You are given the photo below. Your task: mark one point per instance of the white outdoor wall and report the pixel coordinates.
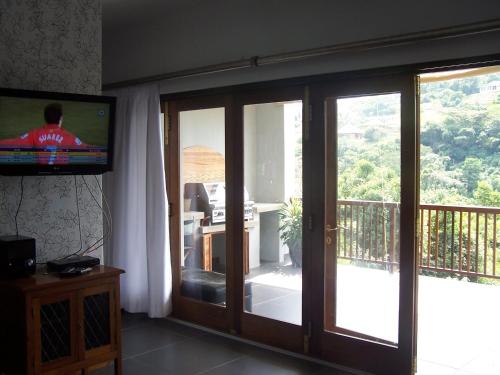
(204, 127)
(265, 152)
(270, 144)
(156, 37)
(250, 154)
(51, 45)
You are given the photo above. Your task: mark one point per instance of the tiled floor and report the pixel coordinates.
(163, 347)
(457, 329)
(277, 291)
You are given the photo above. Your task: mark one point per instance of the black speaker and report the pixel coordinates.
(17, 256)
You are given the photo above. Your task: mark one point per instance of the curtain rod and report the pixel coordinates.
(368, 44)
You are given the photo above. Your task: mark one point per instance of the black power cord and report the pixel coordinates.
(19, 205)
(79, 224)
(78, 213)
(107, 215)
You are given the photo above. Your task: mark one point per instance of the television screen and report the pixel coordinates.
(55, 133)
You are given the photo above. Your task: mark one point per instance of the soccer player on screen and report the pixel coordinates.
(49, 138)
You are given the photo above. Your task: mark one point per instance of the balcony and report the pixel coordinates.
(458, 241)
(458, 331)
(457, 308)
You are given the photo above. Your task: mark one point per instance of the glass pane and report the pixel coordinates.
(369, 188)
(273, 210)
(97, 324)
(203, 201)
(55, 330)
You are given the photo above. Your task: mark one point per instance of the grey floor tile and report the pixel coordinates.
(132, 320)
(331, 371)
(290, 363)
(147, 337)
(258, 366)
(178, 328)
(225, 342)
(131, 367)
(165, 347)
(243, 348)
(266, 360)
(191, 356)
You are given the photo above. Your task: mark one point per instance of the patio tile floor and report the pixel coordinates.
(458, 321)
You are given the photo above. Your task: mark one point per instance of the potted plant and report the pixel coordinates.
(291, 229)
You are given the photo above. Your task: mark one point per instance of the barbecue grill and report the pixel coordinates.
(210, 198)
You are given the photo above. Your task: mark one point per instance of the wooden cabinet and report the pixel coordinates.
(53, 325)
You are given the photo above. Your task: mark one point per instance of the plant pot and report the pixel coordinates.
(295, 249)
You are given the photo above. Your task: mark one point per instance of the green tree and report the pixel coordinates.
(471, 172)
(450, 98)
(485, 195)
(373, 134)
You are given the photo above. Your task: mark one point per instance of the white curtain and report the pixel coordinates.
(136, 193)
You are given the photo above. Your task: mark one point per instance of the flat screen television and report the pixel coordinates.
(43, 133)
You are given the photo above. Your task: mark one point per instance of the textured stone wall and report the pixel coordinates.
(52, 45)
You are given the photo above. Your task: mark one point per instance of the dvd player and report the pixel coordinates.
(59, 265)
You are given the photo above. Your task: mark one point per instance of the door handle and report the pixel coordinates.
(329, 228)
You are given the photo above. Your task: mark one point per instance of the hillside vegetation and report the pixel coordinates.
(459, 151)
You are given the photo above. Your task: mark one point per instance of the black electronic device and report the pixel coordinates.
(17, 256)
(60, 265)
(45, 133)
(74, 271)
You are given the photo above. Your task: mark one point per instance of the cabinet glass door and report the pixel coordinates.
(56, 338)
(98, 313)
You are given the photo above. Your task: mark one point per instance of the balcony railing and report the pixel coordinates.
(458, 240)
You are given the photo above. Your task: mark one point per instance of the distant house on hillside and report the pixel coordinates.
(351, 131)
(490, 87)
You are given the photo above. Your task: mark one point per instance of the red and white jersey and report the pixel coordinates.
(49, 135)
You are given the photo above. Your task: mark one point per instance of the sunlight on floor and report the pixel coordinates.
(280, 280)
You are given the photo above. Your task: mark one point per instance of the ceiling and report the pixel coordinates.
(120, 12)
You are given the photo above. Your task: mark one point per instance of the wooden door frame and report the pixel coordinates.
(251, 326)
(206, 314)
(313, 173)
(340, 348)
(232, 319)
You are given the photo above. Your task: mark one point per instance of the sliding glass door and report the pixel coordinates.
(294, 215)
(200, 220)
(368, 257)
(272, 206)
